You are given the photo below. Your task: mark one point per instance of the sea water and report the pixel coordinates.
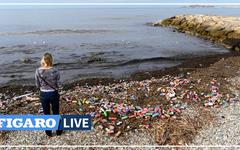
(96, 41)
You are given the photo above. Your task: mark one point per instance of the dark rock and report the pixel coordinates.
(26, 60)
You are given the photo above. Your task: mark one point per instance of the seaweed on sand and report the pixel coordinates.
(183, 130)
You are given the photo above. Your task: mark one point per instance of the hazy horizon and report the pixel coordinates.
(119, 1)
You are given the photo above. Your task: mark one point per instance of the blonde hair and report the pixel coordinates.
(47, 60)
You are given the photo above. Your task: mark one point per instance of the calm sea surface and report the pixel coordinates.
(90, 42)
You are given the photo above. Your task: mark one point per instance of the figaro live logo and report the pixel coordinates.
(45, 122)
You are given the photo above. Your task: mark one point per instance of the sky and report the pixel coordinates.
(120, 1)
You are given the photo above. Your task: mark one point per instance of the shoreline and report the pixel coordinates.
(188, 65)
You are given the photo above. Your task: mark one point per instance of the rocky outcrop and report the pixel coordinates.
(223, 30)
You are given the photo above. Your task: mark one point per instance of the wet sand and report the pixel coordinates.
(187, 66)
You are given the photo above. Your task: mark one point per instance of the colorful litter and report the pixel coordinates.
(125, 106)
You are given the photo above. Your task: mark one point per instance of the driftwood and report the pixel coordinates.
(22, 96)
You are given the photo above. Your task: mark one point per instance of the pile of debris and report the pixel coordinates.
(23, 104)
(124, 106)
(4, 101)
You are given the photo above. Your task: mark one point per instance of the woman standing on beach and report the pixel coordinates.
(48, 82)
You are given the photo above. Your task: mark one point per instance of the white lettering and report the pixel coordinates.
(50, 123)
(85, 123)
(40, 123)
(28, 124)
(72, 125)
(9, 123)
(78, 123)
(19, 124)
(1, 122)
(65, 123)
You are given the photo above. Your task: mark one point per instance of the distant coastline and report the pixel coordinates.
(199, 6)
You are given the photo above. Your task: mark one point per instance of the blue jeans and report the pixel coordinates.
(48, 98)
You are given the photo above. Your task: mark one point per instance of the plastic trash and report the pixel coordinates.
(124, 117)
(143, 101)
(119, 123)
